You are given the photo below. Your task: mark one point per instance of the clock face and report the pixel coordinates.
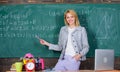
(30, 65)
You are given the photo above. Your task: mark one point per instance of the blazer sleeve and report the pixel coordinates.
(57, 47)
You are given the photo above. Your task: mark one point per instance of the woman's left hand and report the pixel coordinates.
(77, 57)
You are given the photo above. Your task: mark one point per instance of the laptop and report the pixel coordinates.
(104, 59)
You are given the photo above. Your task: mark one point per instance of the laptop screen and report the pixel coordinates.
(104, 59)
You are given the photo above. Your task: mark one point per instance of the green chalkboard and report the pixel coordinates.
(19, 24)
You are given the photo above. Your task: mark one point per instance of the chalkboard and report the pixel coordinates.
(19, 24)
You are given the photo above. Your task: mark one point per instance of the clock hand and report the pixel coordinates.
(30, 65)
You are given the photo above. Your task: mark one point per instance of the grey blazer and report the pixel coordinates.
(79, 41)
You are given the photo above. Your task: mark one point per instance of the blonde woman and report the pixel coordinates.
(72, 43)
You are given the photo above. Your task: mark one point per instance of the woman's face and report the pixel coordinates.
(70, 19)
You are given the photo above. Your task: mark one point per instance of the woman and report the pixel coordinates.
(72, 43)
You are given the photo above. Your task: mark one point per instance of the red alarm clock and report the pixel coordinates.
(30, 65)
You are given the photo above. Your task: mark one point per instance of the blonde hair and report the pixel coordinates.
(77, 23)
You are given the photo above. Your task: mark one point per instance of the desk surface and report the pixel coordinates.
(78, 71)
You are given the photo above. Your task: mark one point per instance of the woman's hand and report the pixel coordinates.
(77, 57)
(43, 42)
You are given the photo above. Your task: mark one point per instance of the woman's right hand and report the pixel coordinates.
(43, 42)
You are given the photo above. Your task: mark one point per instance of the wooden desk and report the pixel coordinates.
(78, 71)
(108, 71)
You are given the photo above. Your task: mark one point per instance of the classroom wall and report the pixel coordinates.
(20, 23)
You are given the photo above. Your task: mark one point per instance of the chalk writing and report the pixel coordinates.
(19, 24)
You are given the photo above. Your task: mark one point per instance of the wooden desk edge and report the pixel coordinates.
(78, 71)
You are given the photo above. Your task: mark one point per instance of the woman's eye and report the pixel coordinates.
(67, 17)
(72, 16)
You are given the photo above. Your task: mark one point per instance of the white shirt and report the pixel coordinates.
(69, 48)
